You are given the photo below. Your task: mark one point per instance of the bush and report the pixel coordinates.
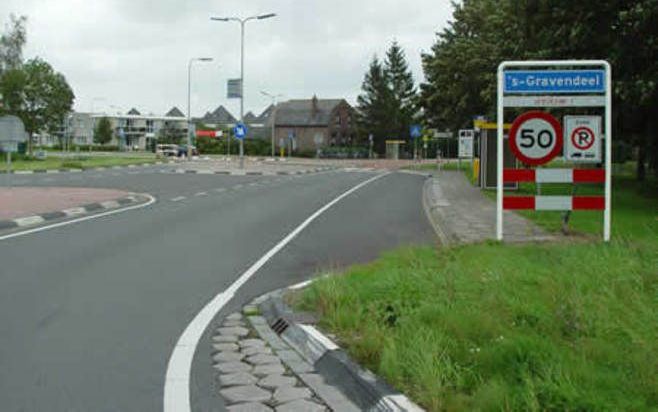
(256, 147)
(70, 164)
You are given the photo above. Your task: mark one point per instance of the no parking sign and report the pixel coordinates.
(582, 136)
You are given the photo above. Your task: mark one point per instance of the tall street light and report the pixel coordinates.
(189, 103)
(274, 98)
(242, 22)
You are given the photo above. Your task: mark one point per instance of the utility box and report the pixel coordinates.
(488, 175)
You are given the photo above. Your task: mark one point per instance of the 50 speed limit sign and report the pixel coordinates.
(536, 138)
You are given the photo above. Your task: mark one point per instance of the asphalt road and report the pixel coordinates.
(89, 313)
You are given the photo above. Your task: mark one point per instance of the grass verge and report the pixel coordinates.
(79, 162)
(561, 326)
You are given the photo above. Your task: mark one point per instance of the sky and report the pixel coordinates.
(119, 54)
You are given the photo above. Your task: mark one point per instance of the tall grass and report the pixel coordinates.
(562, 326)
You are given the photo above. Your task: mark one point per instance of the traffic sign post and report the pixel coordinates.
(537, 137)
(415, 131)
(12, 132)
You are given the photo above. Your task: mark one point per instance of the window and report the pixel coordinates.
(150, 128)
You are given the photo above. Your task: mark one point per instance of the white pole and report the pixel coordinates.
(608, 153)
(499, 156)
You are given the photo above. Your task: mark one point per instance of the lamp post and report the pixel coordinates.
(189, 103)
(242, 22)
(274, 98)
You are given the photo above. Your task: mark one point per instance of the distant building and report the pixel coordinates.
(135, 131)
(314, 124)
(219, 118)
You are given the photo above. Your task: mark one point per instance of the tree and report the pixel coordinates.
(12, 42)
(401, 83)
(375, 105)
(38, 95)
(460, 69)
(103, 131)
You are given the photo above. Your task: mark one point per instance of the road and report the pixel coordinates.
(90, 312)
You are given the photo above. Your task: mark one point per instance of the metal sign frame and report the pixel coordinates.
(553, 101)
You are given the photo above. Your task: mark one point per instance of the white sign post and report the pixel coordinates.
(466, 144)
(537, 137)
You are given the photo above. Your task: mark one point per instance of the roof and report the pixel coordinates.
(265, 115)
(175, 112)
(302, 113)
(134, 112)
(250, 118)
(219, 116)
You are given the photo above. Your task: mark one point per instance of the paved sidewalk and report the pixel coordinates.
(461, 213)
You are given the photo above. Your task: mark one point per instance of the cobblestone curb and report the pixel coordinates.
(87, 209)
(271, 348)
(254, 370)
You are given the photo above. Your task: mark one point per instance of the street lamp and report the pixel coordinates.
(189, 94)
(242, 22)
(274, 98)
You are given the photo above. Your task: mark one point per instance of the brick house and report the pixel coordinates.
(314, 124)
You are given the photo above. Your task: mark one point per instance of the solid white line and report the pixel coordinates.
(178, 199)
(177, 379)
(78, 220)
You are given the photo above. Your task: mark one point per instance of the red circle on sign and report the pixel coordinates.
(587, 130)
(557, 130)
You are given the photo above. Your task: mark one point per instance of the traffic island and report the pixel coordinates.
(28, 207)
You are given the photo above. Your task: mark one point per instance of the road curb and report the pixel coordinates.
(248, 173)
(429, 206)
(83, 210)
(363, 389)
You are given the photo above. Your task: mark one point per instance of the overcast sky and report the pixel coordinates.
(118, 54)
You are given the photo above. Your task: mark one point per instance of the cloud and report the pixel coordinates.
(129, 53)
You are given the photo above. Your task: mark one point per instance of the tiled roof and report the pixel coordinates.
(219, 116)
(302, 112)
(175, 112)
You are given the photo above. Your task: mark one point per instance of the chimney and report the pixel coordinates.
(314, 105)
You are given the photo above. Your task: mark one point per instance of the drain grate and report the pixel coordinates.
(279, 326)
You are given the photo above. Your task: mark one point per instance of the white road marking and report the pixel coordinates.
(178, 199)
(253, 184)
(177, 378)
(78, 220)
(74, 211)
(238, 186)
(220, 190)
(29, 220)
(201, 194)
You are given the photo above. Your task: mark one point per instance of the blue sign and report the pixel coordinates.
(415, 131)
(240, 131)
(554, 81)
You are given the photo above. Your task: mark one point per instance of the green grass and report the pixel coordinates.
(79, 162)
(556, 326)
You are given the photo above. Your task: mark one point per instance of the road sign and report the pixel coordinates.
(234, 88)
(465, 150)
(12, 129)
(554, 81)
(9, 146)
(582, 138)
(240, 131)
(535, 138)
(415, 131)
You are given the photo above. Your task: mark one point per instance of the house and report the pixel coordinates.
(135, 131)
(219, 118)
(312, 124)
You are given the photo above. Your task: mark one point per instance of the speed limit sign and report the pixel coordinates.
(536, 138)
